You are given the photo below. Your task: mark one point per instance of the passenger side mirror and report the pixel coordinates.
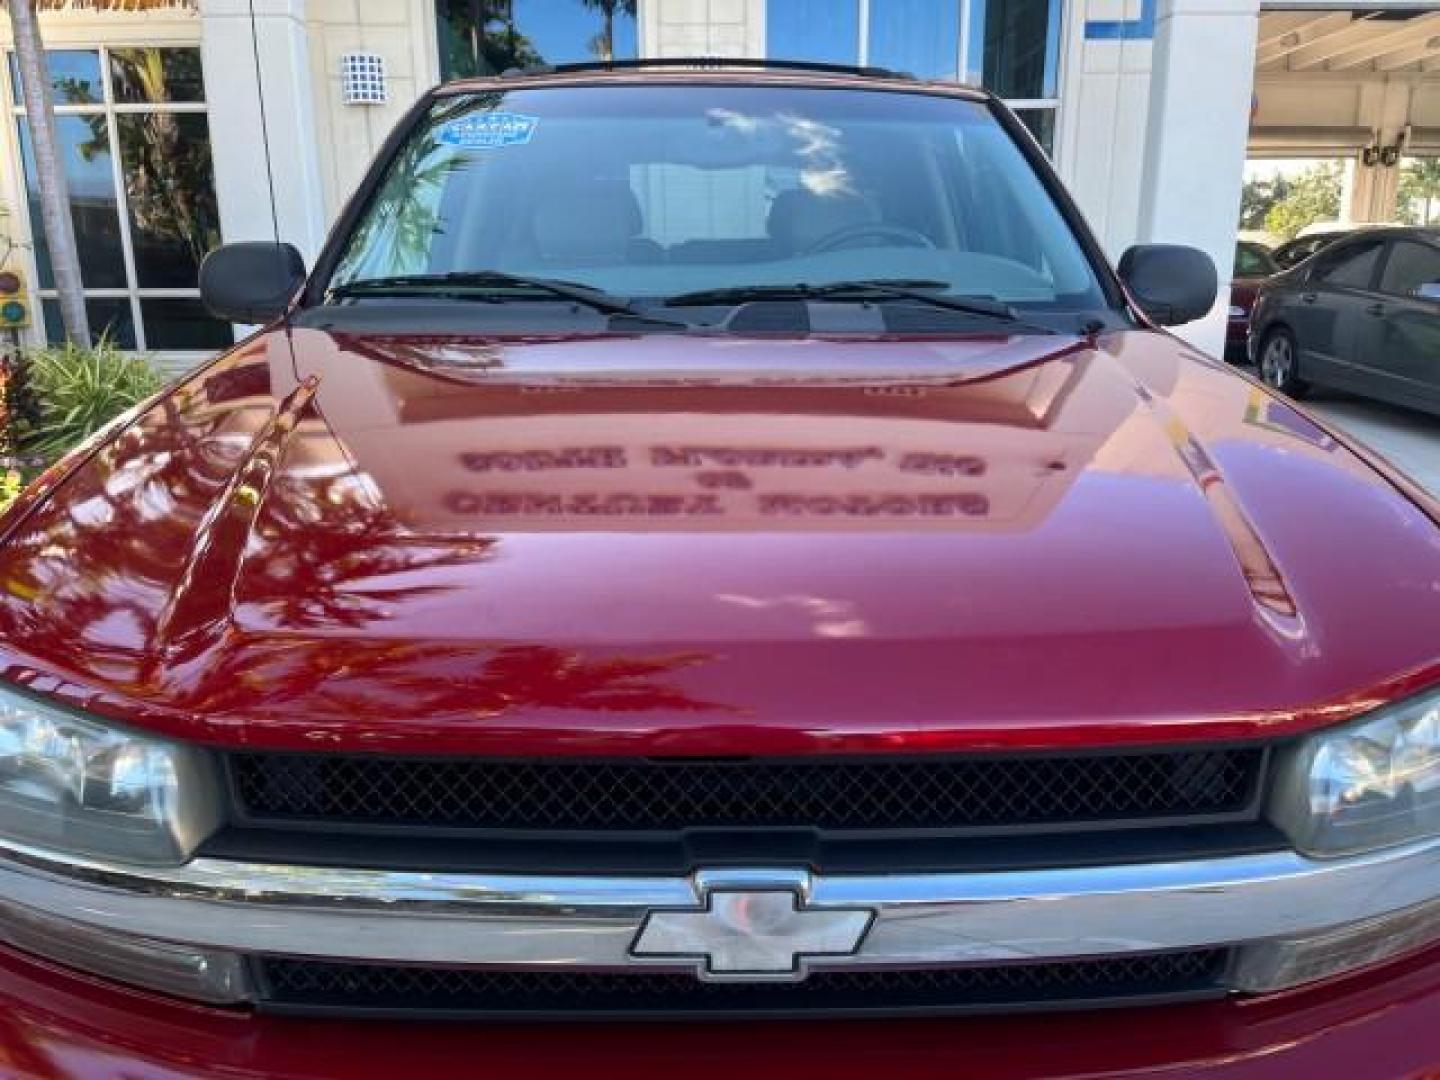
(251, 282)
(1170, 283)
(1428, 291)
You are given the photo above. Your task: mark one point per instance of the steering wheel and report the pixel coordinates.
(847, 236)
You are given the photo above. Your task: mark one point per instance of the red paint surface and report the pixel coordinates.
(763, 546)
(1384, 1025)
(721, 546)
(1243, 292)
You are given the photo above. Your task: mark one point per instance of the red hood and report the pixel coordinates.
(710, 545)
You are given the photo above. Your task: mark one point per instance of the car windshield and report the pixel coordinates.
(1253, 261)
(649, 194)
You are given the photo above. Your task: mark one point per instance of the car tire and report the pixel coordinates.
(1278, 360)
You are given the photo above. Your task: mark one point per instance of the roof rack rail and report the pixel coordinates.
(704, 62)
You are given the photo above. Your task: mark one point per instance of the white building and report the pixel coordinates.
(1148, 107)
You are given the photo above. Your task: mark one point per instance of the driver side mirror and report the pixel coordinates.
(251, 282)
(1171, 284)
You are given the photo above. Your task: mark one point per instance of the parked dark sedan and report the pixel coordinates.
(1362, 316)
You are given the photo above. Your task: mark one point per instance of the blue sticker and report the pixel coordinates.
(485, 131)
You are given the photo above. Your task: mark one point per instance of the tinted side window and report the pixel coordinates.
(1409, 266)
(1352, 267)
(1294, 253)
(1297, 251)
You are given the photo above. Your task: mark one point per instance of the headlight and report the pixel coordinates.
(1238, 314)
(75, 785)
(1366, 785)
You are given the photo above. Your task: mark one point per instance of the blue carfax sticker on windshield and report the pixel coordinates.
(486, 131)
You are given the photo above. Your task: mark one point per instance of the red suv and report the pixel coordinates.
(718, 543)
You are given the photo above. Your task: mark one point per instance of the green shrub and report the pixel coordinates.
(12, 482)
(73, 391)
(12, 400)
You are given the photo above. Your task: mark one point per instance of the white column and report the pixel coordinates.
(234, 91)
(1394, 117)
(1386, 204)
(1354, 190)
(1201, 85)
(1373, 195)
(1384, 108)
(1104, 100)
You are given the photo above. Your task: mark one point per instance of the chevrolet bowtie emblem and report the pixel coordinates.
(744, 934)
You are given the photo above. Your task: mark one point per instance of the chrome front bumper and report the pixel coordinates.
(1263, 903)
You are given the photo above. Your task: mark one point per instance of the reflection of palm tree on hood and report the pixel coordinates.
(404, 679)
(108, 594)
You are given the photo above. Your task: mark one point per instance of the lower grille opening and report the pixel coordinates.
(308, 985)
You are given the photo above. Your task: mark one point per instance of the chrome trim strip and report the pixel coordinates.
(589, 922)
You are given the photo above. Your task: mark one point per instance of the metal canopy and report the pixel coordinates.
(1392, 40)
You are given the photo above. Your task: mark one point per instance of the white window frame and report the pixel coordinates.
(1055, 104)
(20, 225)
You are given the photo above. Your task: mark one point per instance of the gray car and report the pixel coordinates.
(1361, 315)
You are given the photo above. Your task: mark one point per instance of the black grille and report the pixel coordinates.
(836, 793)
(306, 984)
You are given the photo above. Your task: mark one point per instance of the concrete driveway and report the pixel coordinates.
(1411, 440)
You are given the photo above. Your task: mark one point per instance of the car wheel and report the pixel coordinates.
(1280, 363)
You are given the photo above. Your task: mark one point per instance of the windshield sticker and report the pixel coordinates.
(486, 131)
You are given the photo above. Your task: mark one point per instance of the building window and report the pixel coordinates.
(134, 141)
(1011, 47)
(485, 37)
(818, 31)
(1014, 45)
(918, 36)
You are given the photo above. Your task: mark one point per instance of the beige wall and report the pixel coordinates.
(1104, 111)
(348, 136)
(702, 28)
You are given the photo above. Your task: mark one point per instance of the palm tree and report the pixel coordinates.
(603, 43)
(49, 174)
(1419, 184)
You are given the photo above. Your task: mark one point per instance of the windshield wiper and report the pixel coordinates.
(489, 285)
(915, 289)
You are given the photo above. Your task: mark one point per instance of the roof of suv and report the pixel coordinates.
(1379, 232)
(707, 69)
